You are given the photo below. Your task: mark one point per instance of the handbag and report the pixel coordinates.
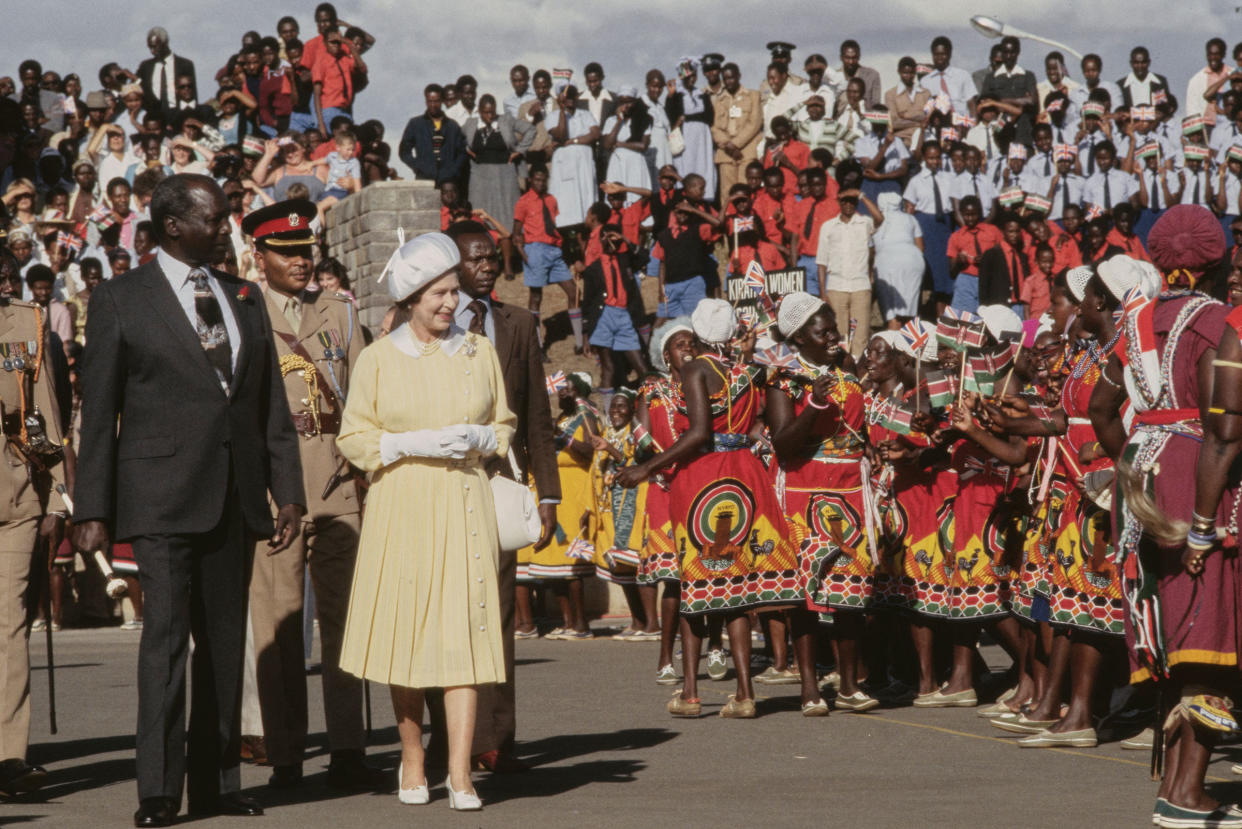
(517, 513)
(676, 142)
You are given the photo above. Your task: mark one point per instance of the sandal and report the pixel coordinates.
(526, 634)
(679, 706)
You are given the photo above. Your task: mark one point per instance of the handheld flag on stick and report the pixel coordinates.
(756, 279)
(556, 382)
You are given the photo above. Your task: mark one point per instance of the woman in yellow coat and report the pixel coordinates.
(424, 611)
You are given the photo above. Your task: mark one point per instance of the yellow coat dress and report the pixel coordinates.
(424, 610)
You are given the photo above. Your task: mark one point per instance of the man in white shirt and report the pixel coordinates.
(950, 80)
(973, 181)
(467, 94)
(843, 257)
(158, 74)
(784, 96)
(1142, 86)
(1056, 80)
(1210, 78)
(596, 98)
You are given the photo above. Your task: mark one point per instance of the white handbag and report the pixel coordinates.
(517, 513)
(676, 142)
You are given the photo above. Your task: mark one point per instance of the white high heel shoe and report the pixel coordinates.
(463, 801)
(417, 796)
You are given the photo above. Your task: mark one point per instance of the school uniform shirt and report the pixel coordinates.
(631, 218)
(1121, 186)
(766, 207)
(809, 216)
(1086, 156)
(1233, 188)
(799, 155)
(336, 74)
(1224, 137)
(974, 242)
(978, 184)
(1079, 96)
(954, 82)
(866, 148)
(538, 217)
(921, 191)
(769, 256)
(983, 137)
(1156, 199)
(1070, 185)
(1131, 245)
(1042, 164)
(1190, 193)
(843, 248)
(1028, 181)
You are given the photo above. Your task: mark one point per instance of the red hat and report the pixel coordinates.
(1186, 237)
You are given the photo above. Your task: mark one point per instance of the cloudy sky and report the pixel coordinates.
(435, 40)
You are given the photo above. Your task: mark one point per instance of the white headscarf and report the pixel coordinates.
(660, 338)
(889, 202)
(714, 321)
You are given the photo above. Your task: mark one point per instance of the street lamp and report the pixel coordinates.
(993, 28)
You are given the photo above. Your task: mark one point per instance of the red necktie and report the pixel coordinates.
(616, 288)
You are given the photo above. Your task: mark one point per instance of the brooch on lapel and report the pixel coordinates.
(243, 293)
(470, 348)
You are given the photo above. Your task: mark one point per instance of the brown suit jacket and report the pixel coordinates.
(521, 364)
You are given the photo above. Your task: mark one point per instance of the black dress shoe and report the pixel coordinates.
(227, 804)
(285, 777)
(155, 811)
(237, 804)
(349, 770)
(19, 777)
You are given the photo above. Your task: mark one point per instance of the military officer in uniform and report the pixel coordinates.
(317, 339)
(32, 482)
(782, 53)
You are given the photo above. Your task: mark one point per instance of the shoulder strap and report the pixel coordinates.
(297, 348)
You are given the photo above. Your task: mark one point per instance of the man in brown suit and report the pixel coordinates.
(736, 129)
(317, 342)
(26, 360)
(513, 332)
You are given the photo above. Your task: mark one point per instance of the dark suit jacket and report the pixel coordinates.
(418, 137)
(521, 365)
(160, 440)
(1159, 83)
(148, 77)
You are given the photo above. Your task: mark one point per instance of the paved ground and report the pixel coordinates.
(607, 755)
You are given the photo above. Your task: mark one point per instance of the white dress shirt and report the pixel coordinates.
(1121, 186)
(844, 250)
(978, 184)
(178, 275)
(959, 84)
(1074, 183)
(1079, 96)
(920, 193)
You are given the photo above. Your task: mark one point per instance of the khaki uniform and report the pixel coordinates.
(738, 120)
(22, 495)
(328, 542)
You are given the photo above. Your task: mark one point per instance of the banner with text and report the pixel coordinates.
(779, 283)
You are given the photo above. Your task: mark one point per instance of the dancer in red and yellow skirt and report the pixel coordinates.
(815, 414)
(979, 587)
(1086, 608)
(1180, 367)
(661, 415)
(728, 527)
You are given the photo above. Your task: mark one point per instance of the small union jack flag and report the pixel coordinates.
(915, 335)
(741, 224)
(556, 382)
(1133, 300)
(69, 241)
(756, 279)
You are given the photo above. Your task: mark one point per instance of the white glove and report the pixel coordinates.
(482, 439)
(424, 443)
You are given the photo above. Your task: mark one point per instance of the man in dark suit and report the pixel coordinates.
(181, 356)
(432, 144)
(158, 74)
(514, 333)
(1142, 87)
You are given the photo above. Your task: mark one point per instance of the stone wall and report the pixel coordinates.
(362, 235)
